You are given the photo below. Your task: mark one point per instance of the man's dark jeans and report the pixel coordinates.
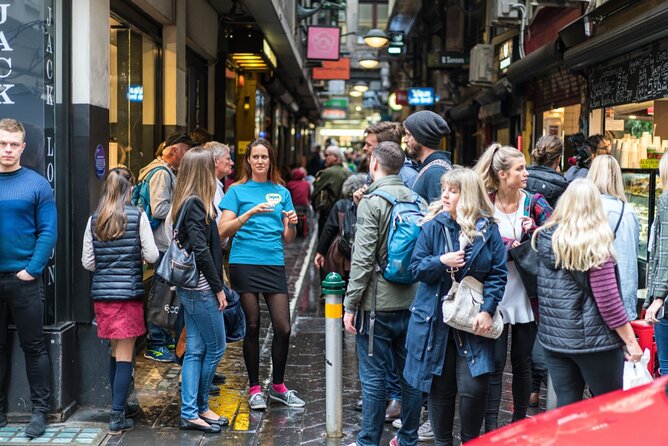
(389, 344)
(24, 300)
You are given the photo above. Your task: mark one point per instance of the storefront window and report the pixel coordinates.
(134, 91)
(562, 121)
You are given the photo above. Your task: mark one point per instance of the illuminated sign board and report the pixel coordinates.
(421, 96)
(135, 93)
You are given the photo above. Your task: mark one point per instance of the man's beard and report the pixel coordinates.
(413, 151)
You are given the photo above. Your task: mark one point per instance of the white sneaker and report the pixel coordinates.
(257, 402)
(425, 433)
(397, 423)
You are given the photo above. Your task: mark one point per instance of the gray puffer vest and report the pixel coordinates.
(570, 321)
(118, 271)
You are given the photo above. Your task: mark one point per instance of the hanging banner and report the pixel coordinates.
(333, 70)
(323, 42)
(27, 92)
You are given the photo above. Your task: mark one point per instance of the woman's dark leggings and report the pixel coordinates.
(602, 371)
(456, 377)
(279, 311)
(521, 345)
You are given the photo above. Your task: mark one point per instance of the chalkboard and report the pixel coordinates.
(638, 79)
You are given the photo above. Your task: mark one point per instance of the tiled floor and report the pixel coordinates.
(55, 434)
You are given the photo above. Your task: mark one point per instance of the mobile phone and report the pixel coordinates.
(660, 312)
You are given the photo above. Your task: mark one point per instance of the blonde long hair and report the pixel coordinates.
(474, 203)
(495, 159)
(583, 238)
(606, 175)
(197, 177)
(111, 218)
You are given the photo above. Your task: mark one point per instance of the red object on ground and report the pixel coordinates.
(645, 334)
(633, 417)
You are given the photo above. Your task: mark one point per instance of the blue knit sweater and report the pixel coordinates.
(27, 222)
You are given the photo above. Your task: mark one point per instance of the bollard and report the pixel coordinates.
(333, 288)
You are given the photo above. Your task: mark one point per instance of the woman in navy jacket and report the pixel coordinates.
(441, 360)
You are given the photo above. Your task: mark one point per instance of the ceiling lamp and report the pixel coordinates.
(250, 51)
(355, 93)
(361, 86)
(376, 38)
(369, 63)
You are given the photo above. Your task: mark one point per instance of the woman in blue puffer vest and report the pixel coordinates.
(441, 360)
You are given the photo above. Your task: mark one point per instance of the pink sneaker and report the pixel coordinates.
(394, 441)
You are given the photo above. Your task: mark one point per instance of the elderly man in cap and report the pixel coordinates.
(424, 131)
(328, 184)
(161, 177)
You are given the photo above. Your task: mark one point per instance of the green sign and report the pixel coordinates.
(336, 103)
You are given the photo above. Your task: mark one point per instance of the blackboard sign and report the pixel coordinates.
(638, 79)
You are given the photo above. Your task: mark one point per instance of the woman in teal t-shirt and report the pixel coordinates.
(259, 215)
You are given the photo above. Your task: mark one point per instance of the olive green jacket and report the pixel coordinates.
(373, 221)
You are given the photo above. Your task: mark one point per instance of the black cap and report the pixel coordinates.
(178, 137)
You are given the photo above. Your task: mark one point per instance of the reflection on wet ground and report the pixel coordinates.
(158, 387)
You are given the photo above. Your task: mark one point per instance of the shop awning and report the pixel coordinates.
(535, 64)
(467, 111)
(650, 26)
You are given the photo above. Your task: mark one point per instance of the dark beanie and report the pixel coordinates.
(427, 128)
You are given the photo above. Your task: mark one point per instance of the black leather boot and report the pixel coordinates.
(118, 423)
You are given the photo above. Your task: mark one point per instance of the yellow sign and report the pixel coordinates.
(649, 163)
(241, 148)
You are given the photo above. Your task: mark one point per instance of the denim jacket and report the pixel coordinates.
(428, 335)
(626, 248)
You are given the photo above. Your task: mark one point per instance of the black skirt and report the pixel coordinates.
(258, 278)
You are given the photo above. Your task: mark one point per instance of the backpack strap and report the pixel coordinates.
(436, 162)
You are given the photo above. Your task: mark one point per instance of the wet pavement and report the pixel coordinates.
(158, 386)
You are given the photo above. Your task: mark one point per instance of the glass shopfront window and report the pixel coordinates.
(134, 100)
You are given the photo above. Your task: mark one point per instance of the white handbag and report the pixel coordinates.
(462, 303)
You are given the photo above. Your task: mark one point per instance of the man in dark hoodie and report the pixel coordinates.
(424, 131)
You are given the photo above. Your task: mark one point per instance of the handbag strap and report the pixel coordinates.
(619, 222)
(181, 215)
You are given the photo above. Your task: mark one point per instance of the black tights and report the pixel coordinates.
(279, 311)
(521, 345)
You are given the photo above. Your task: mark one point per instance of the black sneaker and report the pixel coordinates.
(3, 420)
(214, 390)
(37, 425)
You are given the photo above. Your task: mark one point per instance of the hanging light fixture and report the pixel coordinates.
(361, 86)
(369, 62)
(355, 93)
(376, 38)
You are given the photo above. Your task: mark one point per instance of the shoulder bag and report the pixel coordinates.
(462, 303)
(178, 266)
(526, 261)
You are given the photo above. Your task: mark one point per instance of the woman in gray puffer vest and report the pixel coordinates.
(583, 324)
(117, 237)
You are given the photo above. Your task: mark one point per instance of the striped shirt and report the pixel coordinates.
(605, 289)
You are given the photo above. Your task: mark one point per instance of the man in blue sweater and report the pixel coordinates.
(424, 131)
(27, 237)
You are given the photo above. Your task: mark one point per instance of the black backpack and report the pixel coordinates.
(347, 221)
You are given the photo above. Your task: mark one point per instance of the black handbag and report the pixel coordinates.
(178, 267)
(526, 261)
(163, 305)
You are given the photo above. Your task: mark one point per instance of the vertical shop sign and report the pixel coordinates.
(27, 90)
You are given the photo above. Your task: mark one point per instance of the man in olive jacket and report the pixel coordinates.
(391, 304)
(328, 184)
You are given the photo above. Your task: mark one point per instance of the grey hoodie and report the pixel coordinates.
(161, 188)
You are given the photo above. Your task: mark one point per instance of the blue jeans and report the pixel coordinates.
(205, 345)
(389, 347)
(661, 338)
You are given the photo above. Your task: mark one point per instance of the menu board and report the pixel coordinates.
(640, 78)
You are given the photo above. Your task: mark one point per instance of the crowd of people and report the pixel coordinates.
(573, 323)
(475, 223)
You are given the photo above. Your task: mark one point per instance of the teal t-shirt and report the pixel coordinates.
(259, 241)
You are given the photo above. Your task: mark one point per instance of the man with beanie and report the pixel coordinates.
(424, 131)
